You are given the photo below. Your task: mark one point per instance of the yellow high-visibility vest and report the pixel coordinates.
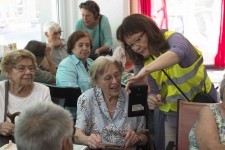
(190, 80)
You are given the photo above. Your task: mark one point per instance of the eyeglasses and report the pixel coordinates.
(109, 78)
(137, 41)
(23, 68)
(56, 33)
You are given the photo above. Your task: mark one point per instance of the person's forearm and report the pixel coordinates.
(103, 49)
(52, 68)
(81, 138)
(166, 60)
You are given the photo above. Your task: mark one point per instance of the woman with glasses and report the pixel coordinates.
(102, 111)
(98, 26)
(169, 51)
(19, 91)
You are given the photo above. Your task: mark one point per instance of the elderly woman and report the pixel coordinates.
(209, 130)
(72, 71)
(97, 25)
(19, 91)
(102, 111)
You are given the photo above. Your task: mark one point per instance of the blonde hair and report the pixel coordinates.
(100, 64)
(12, 58)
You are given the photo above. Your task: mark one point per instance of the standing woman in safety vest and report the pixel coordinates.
(171, 51)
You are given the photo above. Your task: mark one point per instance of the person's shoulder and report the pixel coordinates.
(104, 19)
(79, 24)
(205, 111)
(88, 95)
(89, 61)
(40, 86)
(79, 21)
(65, 61)
(174, 34)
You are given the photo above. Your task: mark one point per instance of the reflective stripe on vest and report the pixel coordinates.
(190, 80)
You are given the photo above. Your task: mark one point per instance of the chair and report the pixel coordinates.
(187, 114)
(64, 96)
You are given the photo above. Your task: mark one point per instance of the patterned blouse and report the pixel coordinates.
(93, 117)
(220, 121)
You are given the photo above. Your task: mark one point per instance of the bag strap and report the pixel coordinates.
(173, 82)
(6, 98)
(100, 20)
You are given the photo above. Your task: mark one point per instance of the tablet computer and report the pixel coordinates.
(137, 105)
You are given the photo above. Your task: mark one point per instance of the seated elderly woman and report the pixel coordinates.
(209, 130)
(72, 71)
(102, 111)
(20, 90)
(41, 51)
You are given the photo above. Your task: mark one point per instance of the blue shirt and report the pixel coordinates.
(105, 33)
(72, 73)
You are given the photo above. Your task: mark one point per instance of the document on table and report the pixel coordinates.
(79, 147)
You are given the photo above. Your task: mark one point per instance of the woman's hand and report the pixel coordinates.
(95, 141)
(131, 138)
(98, 52)
(136, 81)
(6, 128)
(154, 102)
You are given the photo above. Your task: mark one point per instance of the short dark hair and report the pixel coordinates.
(74, 37)
(92, 7)
(36, 47)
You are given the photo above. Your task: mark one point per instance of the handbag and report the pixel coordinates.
(200, 97)
(109, 52)
(6, 98)
(10, 116)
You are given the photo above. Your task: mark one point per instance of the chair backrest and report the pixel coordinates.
(65, 96)
(187, 114)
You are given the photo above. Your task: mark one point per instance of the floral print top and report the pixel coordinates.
(220, 121)
(93, 117)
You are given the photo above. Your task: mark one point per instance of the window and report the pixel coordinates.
(19, 22)
(199, 21)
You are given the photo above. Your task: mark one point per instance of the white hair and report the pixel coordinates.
(43, 126)
(49, 26)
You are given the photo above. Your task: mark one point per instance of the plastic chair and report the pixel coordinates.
(64, 96)
(187, 114)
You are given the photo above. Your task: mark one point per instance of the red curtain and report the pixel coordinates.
(220, 56)
(159, 13)
(156, 9)
(144, 7)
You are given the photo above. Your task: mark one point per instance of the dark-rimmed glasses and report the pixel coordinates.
(137, 41)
